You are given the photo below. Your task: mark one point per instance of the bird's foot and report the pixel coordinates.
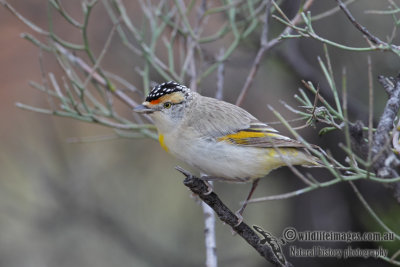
(239, 216)
(209, 188)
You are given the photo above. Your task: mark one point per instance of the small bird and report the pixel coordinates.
(220, 139)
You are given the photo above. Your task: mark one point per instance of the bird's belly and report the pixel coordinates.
(221, 159)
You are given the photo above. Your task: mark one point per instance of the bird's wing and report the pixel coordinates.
(259, 134)
(226, 122)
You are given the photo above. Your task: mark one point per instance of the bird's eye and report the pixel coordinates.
(167, 104)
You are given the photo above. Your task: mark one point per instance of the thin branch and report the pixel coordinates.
(330, 11)
(371, 107)
(57, 5)
(219, 94)
(209, 233)
(364, 30)
(395, 255)
(45, 81)
(267, 45)
(95, 76)
(102, 54)
(91, 139)
(371, 211)
(258, 58)
(283, 196)
(23, 19)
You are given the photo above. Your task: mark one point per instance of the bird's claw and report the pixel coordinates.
(209, 188)
(239, 216)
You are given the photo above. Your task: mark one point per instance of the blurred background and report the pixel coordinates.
(120, 202)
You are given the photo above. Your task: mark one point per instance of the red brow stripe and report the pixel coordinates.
(154, 102)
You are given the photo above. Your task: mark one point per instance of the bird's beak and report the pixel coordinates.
(143, 109)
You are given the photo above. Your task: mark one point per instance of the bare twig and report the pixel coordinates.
(330, 11)
(371, 107)
(395, 255)
(283, 196)
(23, 19)
(259, 56)
(219, 94)
(267, 45)
(209, 233)
(45, 81)
(102, 54)
(95, 76)
(364, 30)
(371, 211)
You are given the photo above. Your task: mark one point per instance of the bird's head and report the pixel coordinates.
(166, 104)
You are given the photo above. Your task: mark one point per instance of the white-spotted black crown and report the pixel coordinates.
(166, 88)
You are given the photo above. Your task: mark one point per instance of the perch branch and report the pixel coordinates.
(227, 216)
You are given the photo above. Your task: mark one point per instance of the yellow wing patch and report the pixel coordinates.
(259, 134)
(242, 137)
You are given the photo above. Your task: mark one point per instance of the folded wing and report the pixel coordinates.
(261, 135)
